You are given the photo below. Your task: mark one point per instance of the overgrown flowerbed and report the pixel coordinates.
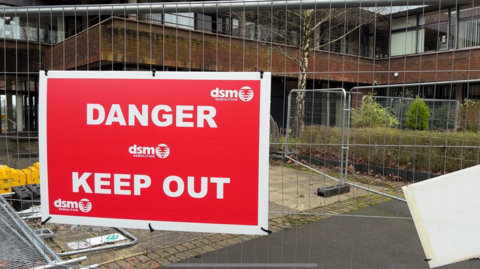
(429, 151)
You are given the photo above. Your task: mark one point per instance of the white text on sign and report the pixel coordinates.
(123, 185)
(160, 115)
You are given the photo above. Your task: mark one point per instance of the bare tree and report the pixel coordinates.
(297, 33)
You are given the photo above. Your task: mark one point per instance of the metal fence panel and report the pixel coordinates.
(323, 131)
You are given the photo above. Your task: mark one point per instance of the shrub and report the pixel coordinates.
(469, 116)
(372, 114)
(431, 151)
(442, 117)
(418, 115)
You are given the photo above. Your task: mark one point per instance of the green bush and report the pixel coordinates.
(372, 114)
(418, 115)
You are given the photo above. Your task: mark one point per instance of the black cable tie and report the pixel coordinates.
(265, 230)
(46, 72)
(153, 71)
(427, 260)
(261, 73)
(151, 229)
(45, 222)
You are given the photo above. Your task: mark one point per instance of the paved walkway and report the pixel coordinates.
(385, 239)
(208, 242)
(9, 147)
(293, 203)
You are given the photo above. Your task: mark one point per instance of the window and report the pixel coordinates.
(180, 20)
(378, 39)
(203, 23)
(404, 36)
(264, 32)
(219, 25)
(403, 23)
(10, 28)
(453, 29)
(403, 42)
(235, 27)
(249, 30)
(433, 31)
(154, 17)
(469, 26)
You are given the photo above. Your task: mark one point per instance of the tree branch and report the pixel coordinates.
(327, 18)
(335, 40)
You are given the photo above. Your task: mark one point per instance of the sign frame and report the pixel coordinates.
(263, 154)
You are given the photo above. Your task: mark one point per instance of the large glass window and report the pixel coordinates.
(469, 26)
(180, 20)
(404, 36)
(469, 33)
(203, 22)
(453, 29)
(433, 31)
(403, 42)
(235, 26)
(39, 29)
(378, 40)
(154, 17)
(433, 37)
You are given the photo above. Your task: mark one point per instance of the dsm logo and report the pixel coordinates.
(161, 151)
(83, 205)
(245, 94)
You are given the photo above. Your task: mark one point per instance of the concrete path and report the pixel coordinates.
(374, 238)
(293, 203)
(291, 191)
(10, 147)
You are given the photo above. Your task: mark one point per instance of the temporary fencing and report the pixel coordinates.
(345, 75)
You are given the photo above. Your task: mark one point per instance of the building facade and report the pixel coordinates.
(400, 45)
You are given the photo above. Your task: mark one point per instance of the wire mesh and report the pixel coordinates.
(18, 246)
(443, 113)
(16, 252)
(390, 50)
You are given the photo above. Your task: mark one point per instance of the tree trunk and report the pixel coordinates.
(298, 125)
(241, 24)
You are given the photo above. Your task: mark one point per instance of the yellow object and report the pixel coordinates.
(8, 183)
(36, 175)
(32, 175)
(5, 190)
(10, 177)
(18, 175)
(4, 172)
(28, 175)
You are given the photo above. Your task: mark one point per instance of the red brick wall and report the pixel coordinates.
(157, 45)
(85, 46)
(138, 42)
(429, 67)
(20, 56)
